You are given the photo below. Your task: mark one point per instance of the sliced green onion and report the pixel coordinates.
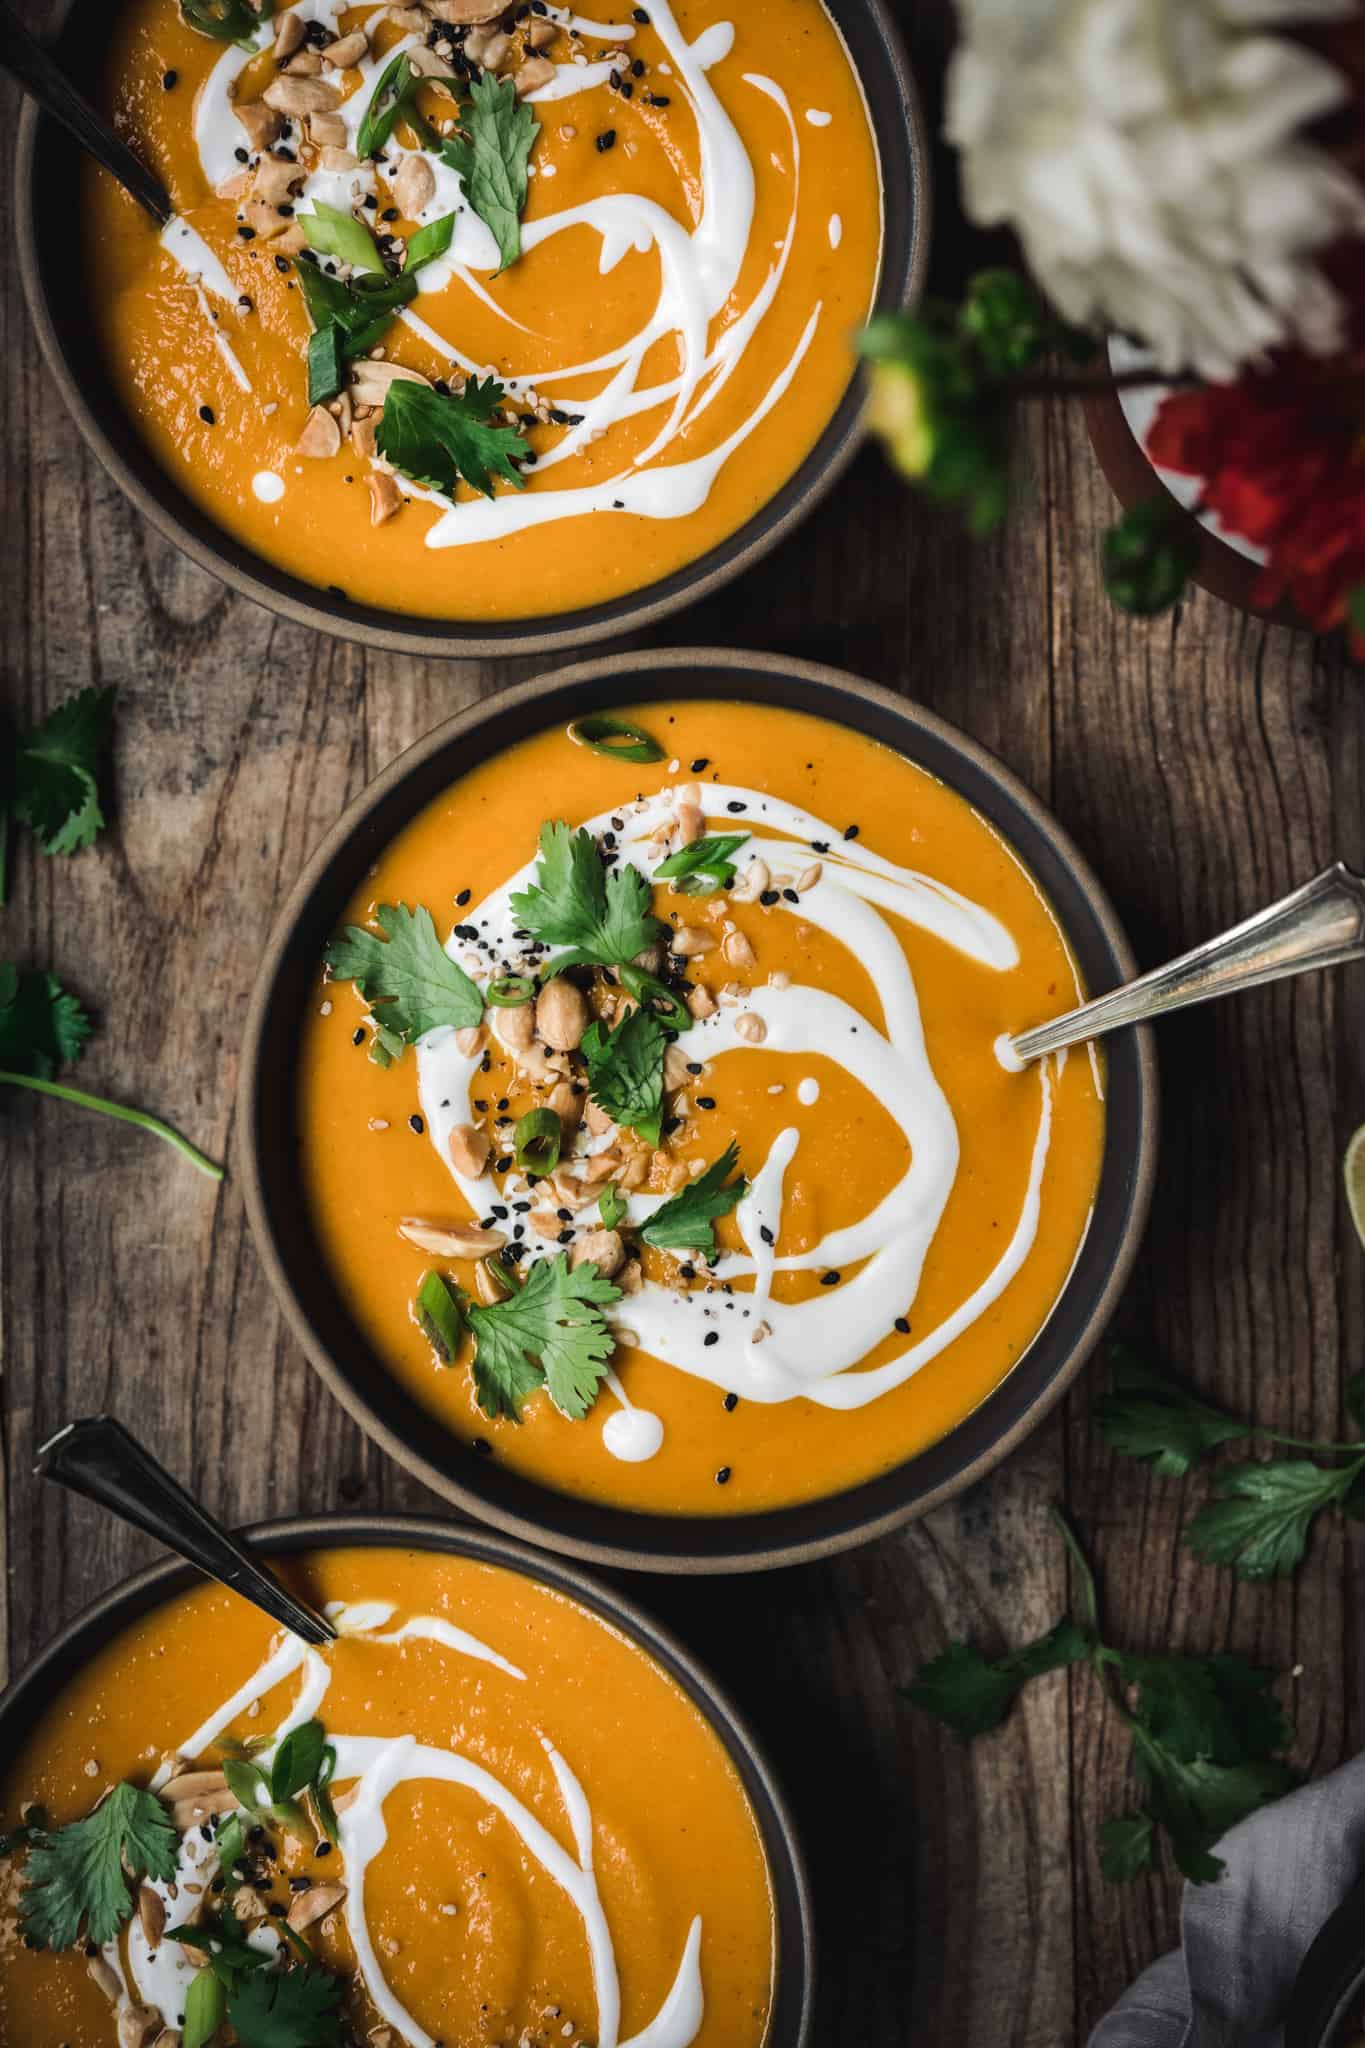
(429, 242)
(703, 868)
(439, 1316)
(617, 738)
(537, 1140)
(334, 233)
(386, 104)
(227, 21)
(326, 363)
(611, 1206)
(510, 991)
(322, 1797)
(205, 2008)
(656, 995)
(503, 1272)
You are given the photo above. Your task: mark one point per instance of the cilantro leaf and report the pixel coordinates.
(1196, 1801)
(437, 438)
(685, 1223)
(626, 1071)
(1259, 1518)
(55, 791)
(973, 1693)
(601, 914)
(74, 1878)
(1127, 1846)
(408, 978)
(286, 2009)
(704, 868)
(491, 156)
(297, 1761)
(550, 1333)
(1218, 1708)
(41, 1027)
(1150, 1416)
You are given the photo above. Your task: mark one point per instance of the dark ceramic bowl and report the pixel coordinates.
(1328, 2000)
(278, 1212)
(55, 287)
(26, 1701)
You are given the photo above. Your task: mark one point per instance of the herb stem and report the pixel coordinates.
(124, 1115)
(1083, 1567)
(1302, 1443)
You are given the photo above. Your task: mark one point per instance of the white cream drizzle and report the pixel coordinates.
(761, 1349)
(267, 486)
(699, 274)
(374, 1766)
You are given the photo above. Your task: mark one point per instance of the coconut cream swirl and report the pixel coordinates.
(699, 272)
(745, 1341)
(372, 1766)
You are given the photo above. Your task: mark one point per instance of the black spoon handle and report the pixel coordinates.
(41, 75)
(99, 1459)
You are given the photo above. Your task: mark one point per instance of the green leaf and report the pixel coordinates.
(227, 21)
(1006, 320)
(685, 1223)
(705, 862)
(326, 363)
(1259, 1519)
(616, 738)
(333, 233)
(491, 156)
(601, 914)
(429, 242)
(286, 2009)
(1196, 1802)
(55, 792)
(438, 438)
(611, 1206)
(205, 2009)
(537, 1141)
(942, 421)
(297, 1761)
(41, 1027)
(551, 1333)
(973, 1693)
(1126, 1847)
(1150, 1416)
(74, 1882)
(626, 1071)
(247, 1783)
(1218, 1708)
(1149, 555)
(387, 103)
(408, 978)
(440, 1316)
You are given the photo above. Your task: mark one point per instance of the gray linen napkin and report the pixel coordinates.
(1243, 1938)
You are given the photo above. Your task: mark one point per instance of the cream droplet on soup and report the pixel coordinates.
(268, 487)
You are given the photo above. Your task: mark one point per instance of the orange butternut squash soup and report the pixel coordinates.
(440, 282)
(688, 1177)
(483, 1819)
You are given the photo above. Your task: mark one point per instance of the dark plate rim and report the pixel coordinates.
(154, 493)
(616, 1537)
(24, 1700)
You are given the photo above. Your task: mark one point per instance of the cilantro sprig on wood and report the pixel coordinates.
(50, 783)
(76, 1879)
(1261, 1513)
(1207, 1733)
(42, 1029)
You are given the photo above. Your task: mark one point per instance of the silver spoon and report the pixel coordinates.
(43, 78)
(101, 1460)
(1319, 925)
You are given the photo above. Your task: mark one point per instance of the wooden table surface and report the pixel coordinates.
(1204, 762)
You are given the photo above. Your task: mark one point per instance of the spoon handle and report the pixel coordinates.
(1319, 925)
(41, 76)
(99, 1459)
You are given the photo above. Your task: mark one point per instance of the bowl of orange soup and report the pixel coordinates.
(477, 331)
(627, 1132)
(505, 1808)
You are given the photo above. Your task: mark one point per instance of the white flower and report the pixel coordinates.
(1149, 155)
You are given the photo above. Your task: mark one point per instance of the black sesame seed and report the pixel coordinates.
(564, 1215)
(694, 1066)
(658, 99)
(415, 1124)
(322, 1849)
(170, 80)
(206, 415)
(735, 805)
(246, 304)
(358, 1035)
(483, 1447)
(706, 1102)
(850, 831)
(711, 1337)
(790, 896)
(701, 764)
(564, 1237)
(300, 1884)
(723, 1476)
(768, 898)
(282, 264)
(730, 1403)
(638, 14)
(504, 1165)
(903, 1326)
(241, 156)
(370, 203)
(247, 234)
(606, 140)
(637, 69)
(463, 898)
(766, 1234)
(819, 846)
(687, 1272)
(829, 1279)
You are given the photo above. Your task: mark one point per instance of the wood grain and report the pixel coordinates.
(1205, 763)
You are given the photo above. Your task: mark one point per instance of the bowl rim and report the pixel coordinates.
(155, 495)
(542, 697)
(33, 1689)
